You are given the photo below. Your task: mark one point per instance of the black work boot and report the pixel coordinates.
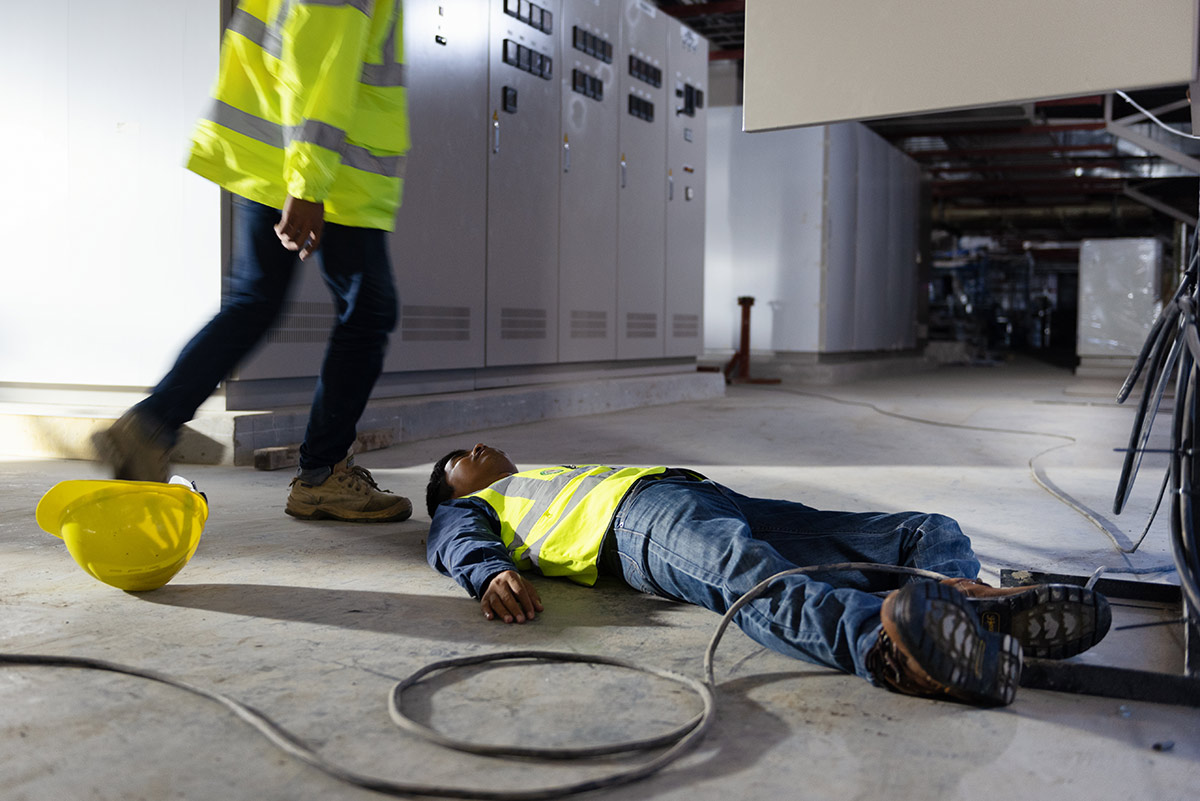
(933, 645)
(1051, 621)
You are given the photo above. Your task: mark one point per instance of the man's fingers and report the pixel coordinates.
(311, 244)
(288, 237)
(529, 600)
(513, 605)
(537, 599)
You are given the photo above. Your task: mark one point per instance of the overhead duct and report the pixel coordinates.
(1128, 211)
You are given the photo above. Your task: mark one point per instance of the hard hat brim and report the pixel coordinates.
(59, 499)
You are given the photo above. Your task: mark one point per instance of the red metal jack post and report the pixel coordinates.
(737, 371)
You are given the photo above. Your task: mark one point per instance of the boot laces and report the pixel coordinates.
(358, 475)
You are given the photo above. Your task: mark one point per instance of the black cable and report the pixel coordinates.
(686, 736)
(1184, 521)
(1164, 347)
(680, 740)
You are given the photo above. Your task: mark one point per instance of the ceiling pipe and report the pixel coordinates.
(1026, 213)
(1006, 151)
(918, 128)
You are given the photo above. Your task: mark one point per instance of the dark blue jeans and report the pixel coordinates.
(705, 544)
(355, 267)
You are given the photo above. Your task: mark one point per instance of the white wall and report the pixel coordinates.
(111, 248)
(819, 225)
(763, 234)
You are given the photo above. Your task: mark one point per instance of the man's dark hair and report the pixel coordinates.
(439, 490)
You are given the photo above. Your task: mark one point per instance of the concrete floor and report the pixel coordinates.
(312, 623)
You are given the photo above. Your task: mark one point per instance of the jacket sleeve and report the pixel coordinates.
(322, 60)
(464, 543)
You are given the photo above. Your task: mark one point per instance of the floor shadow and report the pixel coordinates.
(425, 616)
(722, 751)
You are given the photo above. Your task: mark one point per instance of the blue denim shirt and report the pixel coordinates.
(464, 543)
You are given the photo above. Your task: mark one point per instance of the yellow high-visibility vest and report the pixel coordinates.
(310, 102)
(555, 519)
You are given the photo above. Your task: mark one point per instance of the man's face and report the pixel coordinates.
(480, 467)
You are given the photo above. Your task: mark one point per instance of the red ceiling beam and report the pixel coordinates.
(706, 9)
(726, 55)
(1088, 100)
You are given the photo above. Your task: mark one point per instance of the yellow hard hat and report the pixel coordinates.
(133, 535)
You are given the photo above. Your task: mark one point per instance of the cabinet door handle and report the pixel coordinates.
(495, 132)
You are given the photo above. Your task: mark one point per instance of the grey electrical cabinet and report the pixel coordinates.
(553, 200)
(687, 68)
(587, 264)
(642, 194)
(439, 247)
(522, 182)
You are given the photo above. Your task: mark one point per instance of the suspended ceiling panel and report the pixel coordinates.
(825, 61)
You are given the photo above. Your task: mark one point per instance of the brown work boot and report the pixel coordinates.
(348, 494)
(132, 446)
(1051, 621)
(933, 645)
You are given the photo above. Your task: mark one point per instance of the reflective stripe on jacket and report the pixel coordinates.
(555, 519)
(310, 102)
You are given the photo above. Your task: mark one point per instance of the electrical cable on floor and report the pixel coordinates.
(680, 740)
(1042, 481)
(1037, 475)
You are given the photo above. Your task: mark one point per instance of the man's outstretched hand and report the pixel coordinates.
(300, 225)
(510, 597)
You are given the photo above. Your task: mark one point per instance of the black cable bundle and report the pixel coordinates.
(1171, 353)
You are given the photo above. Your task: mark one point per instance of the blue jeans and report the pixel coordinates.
(705, 544)
(355, 267)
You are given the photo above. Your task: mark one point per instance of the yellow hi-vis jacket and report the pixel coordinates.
(310, 102)
(555, 519)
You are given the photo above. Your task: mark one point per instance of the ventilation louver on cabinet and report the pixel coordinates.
(685, 326)
(641, 325)
(302, 322)
(589, 324)
(435, 323)
(522, 323)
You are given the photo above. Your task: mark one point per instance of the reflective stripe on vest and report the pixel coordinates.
(555, 519)
(310, 102)
(270, 39)
(314, 132)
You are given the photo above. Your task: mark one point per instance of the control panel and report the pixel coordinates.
(531, 14)
(645, 71)
(591, 44)
(528, 60)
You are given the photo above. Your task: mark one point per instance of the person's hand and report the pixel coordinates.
(301, 225)
(510, 597)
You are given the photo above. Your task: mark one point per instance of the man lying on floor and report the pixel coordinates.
(675, 534)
